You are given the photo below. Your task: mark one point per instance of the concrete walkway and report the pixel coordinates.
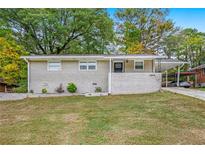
(11, 96)
(185, 91)
(20, 96)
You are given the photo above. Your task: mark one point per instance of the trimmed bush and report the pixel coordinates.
(22, 87)
(98, 89)
(71, 88)
(44, 90)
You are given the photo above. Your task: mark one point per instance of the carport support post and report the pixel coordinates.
(178, 76)
(166, 77)
(195, 81)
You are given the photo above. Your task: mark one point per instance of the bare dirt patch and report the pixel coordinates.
(71, 133)
(199, 135)
(72, 117)
(4, 120)
(13, 119)
(21, 118)
(120, 136)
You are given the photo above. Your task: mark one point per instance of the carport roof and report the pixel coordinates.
(198, 67)
(162, 65)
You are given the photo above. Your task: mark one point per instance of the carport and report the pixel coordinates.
(163, 65)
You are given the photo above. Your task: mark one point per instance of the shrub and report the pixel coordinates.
(44, 91)
(22, 88)
(71, 88)
(98, 89)
(60, 88)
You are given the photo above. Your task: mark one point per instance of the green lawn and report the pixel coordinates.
(203, 89)
(157, 118)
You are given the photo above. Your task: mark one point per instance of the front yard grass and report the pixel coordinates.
(157, 118)
(203, 89)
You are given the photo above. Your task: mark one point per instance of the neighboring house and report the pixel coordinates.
(2, 86)
(5, 87)
(115, 74)
(200, 75)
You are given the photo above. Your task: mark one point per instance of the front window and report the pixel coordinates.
(91, 65)
(84, 66)
(54, 66)
(139, 65)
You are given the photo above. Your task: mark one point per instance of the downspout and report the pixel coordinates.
(110, 77)
(166, 78)
(28, 75)
(153, 65)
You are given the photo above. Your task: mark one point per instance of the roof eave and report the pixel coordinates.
(198, 67)
(94, 57)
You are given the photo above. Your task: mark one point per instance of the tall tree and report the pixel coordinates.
(59, 31)
(171, 45)
(187, 44)
(143, 29)
(193, 46)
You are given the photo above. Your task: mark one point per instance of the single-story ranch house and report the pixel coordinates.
(114, 74)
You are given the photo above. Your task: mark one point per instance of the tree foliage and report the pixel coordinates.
(60, 31)
(12, 68)
(188, 45)
(142, 30)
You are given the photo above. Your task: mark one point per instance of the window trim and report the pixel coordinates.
(142, 65)
(92, 62)
(87, 64)
(54, 62)
(80, 65)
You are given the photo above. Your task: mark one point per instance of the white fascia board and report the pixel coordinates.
(135, 57)
(61, 57)
(173, 62)
(100, 57)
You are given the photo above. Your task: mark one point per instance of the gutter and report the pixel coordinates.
(95, 57)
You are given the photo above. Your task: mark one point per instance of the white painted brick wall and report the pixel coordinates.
(133, 83)
(41, 78)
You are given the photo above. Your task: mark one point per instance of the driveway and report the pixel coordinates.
(185, 91)
(12, 96)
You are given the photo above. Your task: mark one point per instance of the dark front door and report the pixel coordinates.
(118, 66)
